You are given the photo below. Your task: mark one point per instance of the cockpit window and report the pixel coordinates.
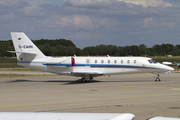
(152, 61)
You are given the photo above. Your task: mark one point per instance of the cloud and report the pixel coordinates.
(12, 4)
(78, 22)
(155, 23)
(176, 0)
(93, 22)
(144, 3)
(85, 3)
(149, 3)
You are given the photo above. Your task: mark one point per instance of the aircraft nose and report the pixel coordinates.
(170, 68)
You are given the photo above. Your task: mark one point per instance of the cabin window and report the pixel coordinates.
(102, 61)
(95, 61)
(109, 61)
(87, 61)
(121, 61)
(134, 61)
(128, 61)
(115, 61)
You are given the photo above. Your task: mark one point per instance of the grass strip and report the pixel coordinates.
(21, 75)
(20, 69)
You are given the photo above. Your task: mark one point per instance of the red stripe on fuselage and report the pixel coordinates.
(72, 61)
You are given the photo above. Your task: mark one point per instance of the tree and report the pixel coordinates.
(143, 50)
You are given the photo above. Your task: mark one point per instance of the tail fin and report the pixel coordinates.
(25, 49)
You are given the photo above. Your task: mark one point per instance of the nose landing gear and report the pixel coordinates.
(157, 78)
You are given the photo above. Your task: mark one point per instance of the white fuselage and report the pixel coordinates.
(96, 66)
(29, 55)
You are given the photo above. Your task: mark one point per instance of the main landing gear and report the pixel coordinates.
(157, 78)
(86, 78)
(83, 80)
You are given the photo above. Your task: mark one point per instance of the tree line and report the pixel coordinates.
(63, 47)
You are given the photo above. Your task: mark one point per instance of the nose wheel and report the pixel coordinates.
(157, 78)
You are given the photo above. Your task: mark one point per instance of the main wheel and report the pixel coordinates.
(83, 80)
(157, 79)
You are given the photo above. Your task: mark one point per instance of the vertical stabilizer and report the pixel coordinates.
(25, 49)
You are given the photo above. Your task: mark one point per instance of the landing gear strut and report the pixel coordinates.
(86, 78)
(157, 78)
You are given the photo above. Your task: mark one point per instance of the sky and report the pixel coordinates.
(93, 22)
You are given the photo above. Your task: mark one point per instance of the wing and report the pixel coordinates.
(65, 116)
(163, 118)
(83, 72)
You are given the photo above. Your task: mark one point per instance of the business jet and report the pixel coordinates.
(65, 116)
(28, 55)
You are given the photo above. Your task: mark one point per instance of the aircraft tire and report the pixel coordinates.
(83, 80)
(157, 79)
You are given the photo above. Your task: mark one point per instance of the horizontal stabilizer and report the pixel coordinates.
(25, 52)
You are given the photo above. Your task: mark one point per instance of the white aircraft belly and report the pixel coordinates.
(119, 70)
(86, 70)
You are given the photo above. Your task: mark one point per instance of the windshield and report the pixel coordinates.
(152, 61)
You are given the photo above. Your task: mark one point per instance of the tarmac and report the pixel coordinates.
(138, 94)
